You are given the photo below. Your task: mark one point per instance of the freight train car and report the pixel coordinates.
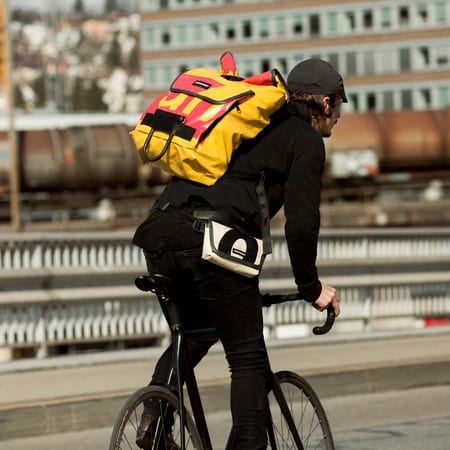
(74, 152)
(414, 143)
(85, 152)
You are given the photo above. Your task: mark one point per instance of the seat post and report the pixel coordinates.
(181, 364)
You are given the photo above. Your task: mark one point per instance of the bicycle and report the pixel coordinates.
(297, 417)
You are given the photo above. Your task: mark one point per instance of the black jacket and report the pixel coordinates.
(291, 154)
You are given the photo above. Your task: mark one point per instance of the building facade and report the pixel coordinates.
(393, 54)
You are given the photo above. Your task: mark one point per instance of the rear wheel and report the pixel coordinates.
(308, 414)
(163, 433)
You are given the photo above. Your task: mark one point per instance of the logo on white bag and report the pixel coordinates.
(239, 245)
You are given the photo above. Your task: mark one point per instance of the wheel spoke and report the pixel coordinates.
(164, 432)
(307, 412)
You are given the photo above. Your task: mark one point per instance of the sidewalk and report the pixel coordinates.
(82, 391)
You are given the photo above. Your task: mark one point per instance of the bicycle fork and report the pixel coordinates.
(286, 412)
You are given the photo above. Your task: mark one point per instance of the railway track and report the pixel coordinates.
(392, 202)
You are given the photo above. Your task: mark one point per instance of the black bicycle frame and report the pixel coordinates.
(194, 394)
(182, 365)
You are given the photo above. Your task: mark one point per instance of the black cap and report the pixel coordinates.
(315, 76)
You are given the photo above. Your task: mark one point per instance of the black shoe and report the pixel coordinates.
(146, 431)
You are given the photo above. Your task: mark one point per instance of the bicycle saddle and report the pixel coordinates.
(159, 284)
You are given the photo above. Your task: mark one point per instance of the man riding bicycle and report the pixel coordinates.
(290, 154)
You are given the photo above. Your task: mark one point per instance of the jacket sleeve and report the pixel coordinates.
(302, 210)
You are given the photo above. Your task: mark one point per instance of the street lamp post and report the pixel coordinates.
(14, 170)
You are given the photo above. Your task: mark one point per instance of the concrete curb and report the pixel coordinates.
(88, 359)
(72, 414)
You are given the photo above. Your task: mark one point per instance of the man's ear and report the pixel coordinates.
(327, 109)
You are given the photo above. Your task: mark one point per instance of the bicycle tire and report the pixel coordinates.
(308, 414)
(124, 431)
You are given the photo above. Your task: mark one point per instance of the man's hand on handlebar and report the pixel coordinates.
(328, 296)
(326, 300)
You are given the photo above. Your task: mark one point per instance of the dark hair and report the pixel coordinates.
(314, 102)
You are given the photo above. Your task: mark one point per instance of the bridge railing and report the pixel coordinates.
(64, 289)
(93, 249)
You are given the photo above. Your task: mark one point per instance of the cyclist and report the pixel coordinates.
(291, 154)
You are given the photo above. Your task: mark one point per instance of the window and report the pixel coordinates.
(406, 99)
(314, 25)
(441, 12)
(265, 65)
(405, 59)
(148, 37)
(369, 63)
(443, 97)
(425, 98)
(150, 76)
(167, 72)
(371, 101)
(282, 65)
(403, 15)
(367, 19)
(230, 31)
(197, 32)
(333, 59)
(214, 30)
(181, 34)
(386, 17)
(149, 5)
(424, 54)
(298, 25)
(387, 61)
(298, 58)
(388, 100)
(351, 63)
(332, 26)
(280, 25)
(165, 36)
(422, 13)
(349, 21)
(354, 102)
(263, 27)
(247, 68)
(442, 56)
(247, 29)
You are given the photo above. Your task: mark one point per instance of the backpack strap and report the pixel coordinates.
(263, 204)
(265, 215)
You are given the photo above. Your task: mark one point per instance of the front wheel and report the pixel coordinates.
(163, 433)
(308, 414)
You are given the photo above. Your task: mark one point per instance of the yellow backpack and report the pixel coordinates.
(192, 130)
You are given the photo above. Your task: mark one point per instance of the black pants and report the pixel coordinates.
(211, 296)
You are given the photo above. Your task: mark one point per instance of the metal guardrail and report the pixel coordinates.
(63, 289)
(97, 249)
(369, 302)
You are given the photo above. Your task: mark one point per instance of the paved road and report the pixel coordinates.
(413, 419)
(86, 391)
(394, 420)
